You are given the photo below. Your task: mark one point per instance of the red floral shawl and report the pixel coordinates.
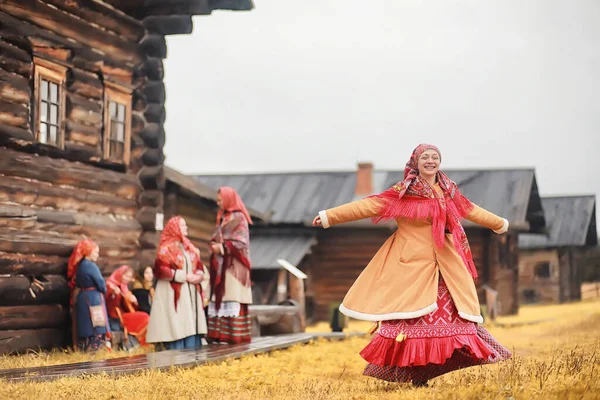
(233, 233)
(414, 199)
(170, 255)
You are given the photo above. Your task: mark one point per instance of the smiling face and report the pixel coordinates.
(429, 163)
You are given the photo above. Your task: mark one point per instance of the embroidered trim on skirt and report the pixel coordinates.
(231, 330)
(227, 309)
(434, 344)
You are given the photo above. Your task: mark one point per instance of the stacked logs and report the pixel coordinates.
(51, 198)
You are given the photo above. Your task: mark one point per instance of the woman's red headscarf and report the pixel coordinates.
(116, 278)
(170, 255)
(231, 202)
(172, 234)
(414, 198)
(82, 249)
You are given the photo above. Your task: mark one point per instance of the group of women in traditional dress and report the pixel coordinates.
(169, 302)
(418, 289)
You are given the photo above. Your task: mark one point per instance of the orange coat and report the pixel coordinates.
(401, 281)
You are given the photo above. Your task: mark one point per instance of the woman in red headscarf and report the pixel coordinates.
(228, 317)
(177, 316)
(89, 317)
(419, 288)
(120, 304)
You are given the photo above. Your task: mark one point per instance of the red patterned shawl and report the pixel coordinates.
(414, 199)
(170, 257)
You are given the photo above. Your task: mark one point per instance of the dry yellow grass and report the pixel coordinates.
(557, 359)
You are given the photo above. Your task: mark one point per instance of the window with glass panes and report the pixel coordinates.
(49, 102)
(49, 112)
(117, 123)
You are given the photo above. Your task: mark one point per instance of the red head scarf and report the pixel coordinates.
(83, 249)
(415, 198)
(172, 234)
(117, 276)
(231, 202)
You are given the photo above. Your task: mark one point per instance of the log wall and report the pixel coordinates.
(50, 198)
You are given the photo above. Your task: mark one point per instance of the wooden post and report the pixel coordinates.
(282, 289)
(297, 294)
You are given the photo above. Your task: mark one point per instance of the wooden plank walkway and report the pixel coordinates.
(164, 360)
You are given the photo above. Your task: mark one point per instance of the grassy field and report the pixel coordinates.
(558, 358)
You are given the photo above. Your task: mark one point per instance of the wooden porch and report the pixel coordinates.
(164, 360)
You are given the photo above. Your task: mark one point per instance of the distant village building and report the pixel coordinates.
(334, 258)
(549, 270)
(82, 107)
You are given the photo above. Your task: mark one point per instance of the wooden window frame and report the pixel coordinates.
(122, 95)
(55, 73)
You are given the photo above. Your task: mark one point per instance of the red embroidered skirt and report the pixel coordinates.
(231, 330)
(435, 344)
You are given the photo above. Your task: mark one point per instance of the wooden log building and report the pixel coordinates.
(82, 107)
(549, 270)
(336, 256)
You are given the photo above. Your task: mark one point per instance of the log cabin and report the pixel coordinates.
(338, 255)
(549, 270)
(82, 107)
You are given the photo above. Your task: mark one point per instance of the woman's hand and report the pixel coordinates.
(116, 290)
(317, 221)
(194, 279)
(216, 248)
(132, 299)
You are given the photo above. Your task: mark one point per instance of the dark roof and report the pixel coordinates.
(193, 188)
(141, 9)
(266, 249)
(298, 197)
(571, 221)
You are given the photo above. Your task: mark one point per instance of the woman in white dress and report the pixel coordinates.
(177, 317)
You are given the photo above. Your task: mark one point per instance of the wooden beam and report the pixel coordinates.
(53, 19)
(152, 177)
(154, 45)
(15, 60)
(155, 91)
(169, 24)
(151, 198)
(14, 88)
(28, 192)
(83, 134)
(14, 290)
(153, 69)
(31, 264)
(33, 317)
(155, 112)
(104, 15)
(85, 84)
(153, 135)
(147, 217)
(153, 157)
(9, 133)
(85, 111)
(14, 114)
(17, 341)
(64, 172)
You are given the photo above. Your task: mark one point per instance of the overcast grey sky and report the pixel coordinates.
(322, 84)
